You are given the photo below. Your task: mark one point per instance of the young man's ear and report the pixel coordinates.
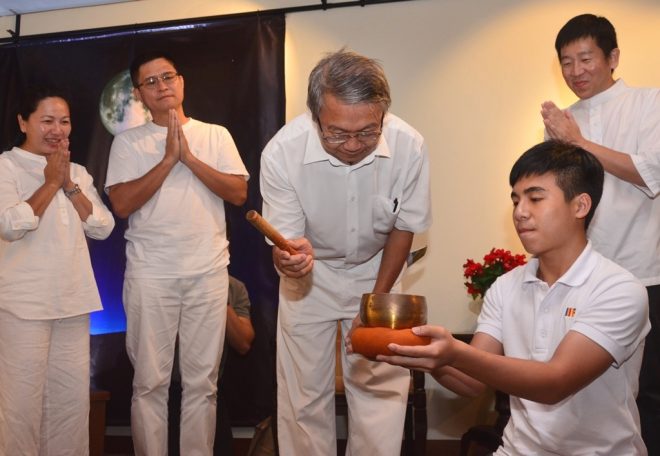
(582, 205)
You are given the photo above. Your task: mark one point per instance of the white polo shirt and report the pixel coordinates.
(600, 300)
(180, 231)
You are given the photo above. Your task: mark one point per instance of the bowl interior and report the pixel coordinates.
(391, 310)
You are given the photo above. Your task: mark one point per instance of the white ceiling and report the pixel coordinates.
(14, 7)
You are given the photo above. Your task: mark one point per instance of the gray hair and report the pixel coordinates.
(350, 77)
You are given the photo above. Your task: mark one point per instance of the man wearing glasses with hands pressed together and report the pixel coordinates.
(170, 177)
(347, 184)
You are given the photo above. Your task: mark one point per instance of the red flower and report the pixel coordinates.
(471, 268)
(481, 276)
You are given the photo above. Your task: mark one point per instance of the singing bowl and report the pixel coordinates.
(394, 311)
(370, 342)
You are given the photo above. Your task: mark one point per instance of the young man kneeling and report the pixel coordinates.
(562, 335)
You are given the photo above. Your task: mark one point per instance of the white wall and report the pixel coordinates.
(470, 75)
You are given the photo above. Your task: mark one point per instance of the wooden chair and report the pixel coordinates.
(484, 439)
(97, 401)
(415, 425)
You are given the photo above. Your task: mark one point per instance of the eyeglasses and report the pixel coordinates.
(169, 79)
(365, 137)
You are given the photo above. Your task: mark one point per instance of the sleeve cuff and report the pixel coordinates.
(609, 345)
(652, 188)
(99, 223)
(17, 220)
(22, 217)
(95, 219)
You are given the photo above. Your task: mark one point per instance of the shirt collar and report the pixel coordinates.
(576, 275)
(603, 97)
(160, 129)
(30, 156)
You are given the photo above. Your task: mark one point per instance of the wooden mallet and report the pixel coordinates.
(269, 231)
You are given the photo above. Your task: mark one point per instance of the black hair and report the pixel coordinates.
(576, 170)
(30, 99)
(143, 58)
(32, 96)
(588, 25)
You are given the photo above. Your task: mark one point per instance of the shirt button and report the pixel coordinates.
(544, 333)
(352, 230)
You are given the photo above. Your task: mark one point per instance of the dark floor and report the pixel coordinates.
(122, 446)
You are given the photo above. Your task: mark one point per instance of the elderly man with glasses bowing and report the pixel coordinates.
(170, 177)
(347, 184)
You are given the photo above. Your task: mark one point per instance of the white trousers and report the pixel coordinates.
(306, 332)
(156, 311)
(44, 386)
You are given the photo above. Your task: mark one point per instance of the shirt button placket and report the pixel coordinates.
(352, 216)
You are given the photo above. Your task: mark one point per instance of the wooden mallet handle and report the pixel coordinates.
(269, 231)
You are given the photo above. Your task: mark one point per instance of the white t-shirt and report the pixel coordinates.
(345, 211)
(45, 269)
(626, 225)
(180, 231)
(605, 303)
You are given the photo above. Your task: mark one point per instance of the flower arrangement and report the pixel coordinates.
(481, 276)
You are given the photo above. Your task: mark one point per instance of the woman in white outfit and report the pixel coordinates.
(47, 288)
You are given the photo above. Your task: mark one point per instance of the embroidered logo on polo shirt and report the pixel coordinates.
(570, 312)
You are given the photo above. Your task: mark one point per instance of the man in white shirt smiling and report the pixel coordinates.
(620, 125)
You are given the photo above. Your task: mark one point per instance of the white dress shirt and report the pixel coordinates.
(345, 211)
(626, 225)
(45, 269)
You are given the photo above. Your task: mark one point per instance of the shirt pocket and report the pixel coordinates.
(385, 211)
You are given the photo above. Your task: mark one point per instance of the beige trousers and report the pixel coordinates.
(376, 392)
(156, 311)
(44, 386)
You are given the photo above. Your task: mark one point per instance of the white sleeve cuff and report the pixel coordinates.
(17, 220)
(99, 223)
(649, 174)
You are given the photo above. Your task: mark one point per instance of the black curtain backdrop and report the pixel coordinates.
(234, 76)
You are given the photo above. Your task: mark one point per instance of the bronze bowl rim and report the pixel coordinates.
(393, 318)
